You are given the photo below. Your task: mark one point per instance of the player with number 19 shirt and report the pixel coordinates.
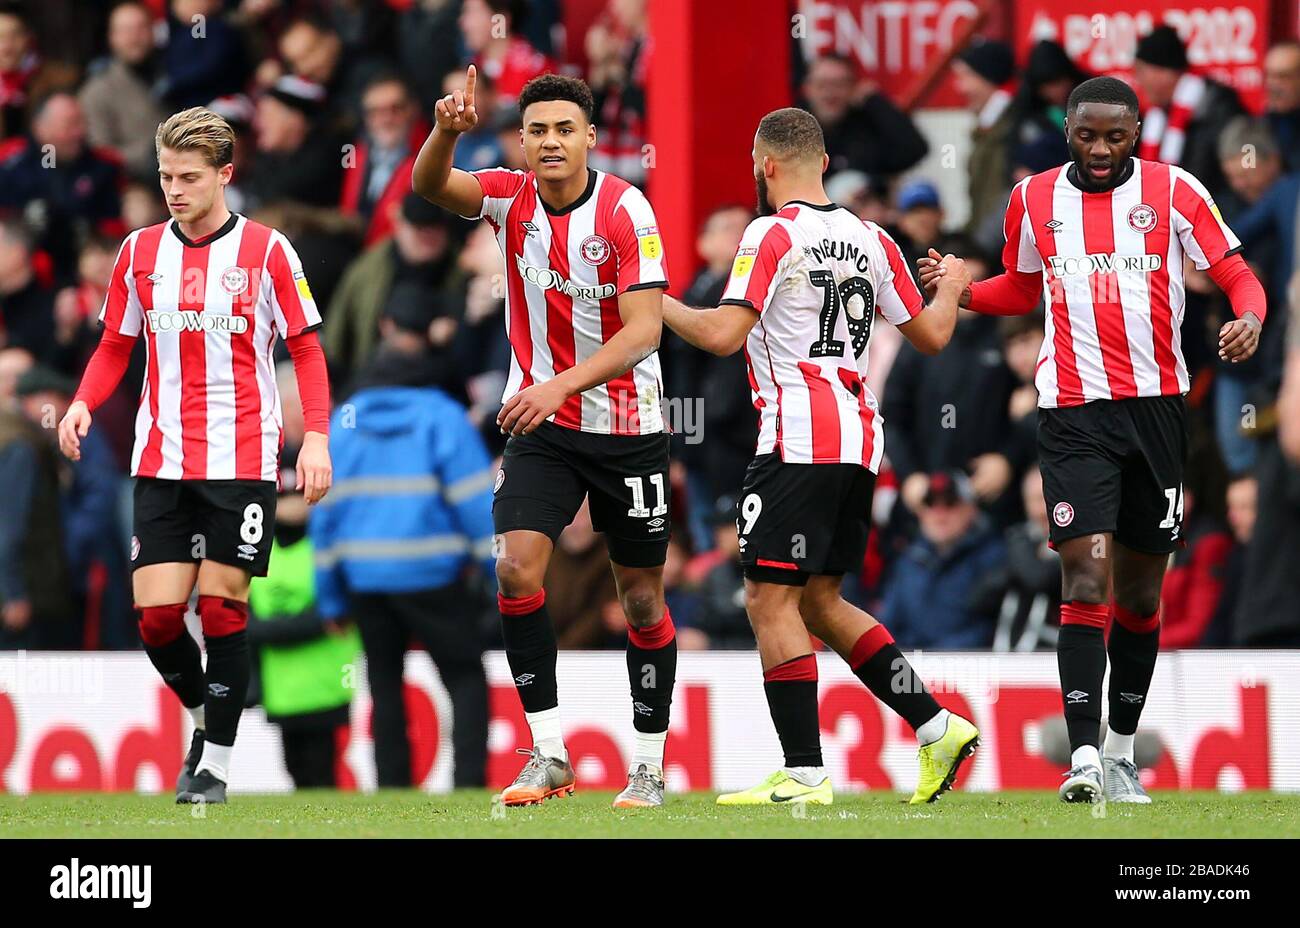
(807, 282)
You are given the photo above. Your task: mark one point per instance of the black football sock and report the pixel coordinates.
(1081, 661)
(229, 666)
(1133, 645)
(652, 671)
(879, 664)
(791, 690)
(173, 651)
(531, 650)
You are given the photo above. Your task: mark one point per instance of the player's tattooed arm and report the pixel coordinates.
(931, 329)
(642, 315)
(719, 331)
(432, 176)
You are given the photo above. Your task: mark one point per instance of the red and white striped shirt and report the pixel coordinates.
(817, 275)
(564, 272)
(210, 312)
(1112, 266)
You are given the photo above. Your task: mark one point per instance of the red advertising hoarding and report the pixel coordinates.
(1224, 41)
(893, 42)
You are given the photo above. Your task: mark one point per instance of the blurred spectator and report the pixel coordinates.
(920, 220)
(721, 620)
(1039, 105)
(1022, 342)
(482, 346)
(1268, 613)
(313, 49)
(26, 302)
(24, 75)
(14, 362)
(64, 188)
(487, 27)
(719, 446)
(203, 57)
(1186, 113)
(303, 664)
(1282, 98)
(427, 47)
(981, 70)
(36, 610)
(238, 110)
(1194, 581)
(122, 111)
(298, 157)
(862, 195)
(682, 600)
(89, 491)
(580, 592)
(929, 598)
(380, 174)
(143, 204)
(1266, 225)
(1242, 499)
(1027, 587)
(950, 412)
(864, 130)
(481, 147)
(419, 253)
(505, 125)
(1253, 165)
(618, 47)
(409, 515)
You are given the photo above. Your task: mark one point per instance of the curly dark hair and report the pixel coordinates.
(558, 87)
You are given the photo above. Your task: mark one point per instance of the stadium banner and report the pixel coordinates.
(892, 43)
(1225, 40)
(104, 721)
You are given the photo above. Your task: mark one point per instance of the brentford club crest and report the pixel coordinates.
(1142, 218)
(1063, 514)
(595, 250)
(135, 547)
(234, 280)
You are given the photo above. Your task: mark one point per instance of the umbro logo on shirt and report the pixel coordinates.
(1052, 225)
(529, 228)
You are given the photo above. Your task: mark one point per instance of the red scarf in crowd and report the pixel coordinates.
(1165, 132)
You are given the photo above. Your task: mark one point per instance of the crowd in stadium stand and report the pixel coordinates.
(330, 102)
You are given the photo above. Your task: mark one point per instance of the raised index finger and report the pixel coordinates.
(471, 78)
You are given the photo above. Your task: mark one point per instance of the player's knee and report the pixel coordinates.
(161, 625)
(1138, 600)
(516, 578)
(1086, 586)
(643, 605)
(764, 602)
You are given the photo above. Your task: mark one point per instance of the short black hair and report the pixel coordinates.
(558, 87)
(1103, 90)
(792, 132)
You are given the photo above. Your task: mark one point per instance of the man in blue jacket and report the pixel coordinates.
(931, 600)
(410, 520)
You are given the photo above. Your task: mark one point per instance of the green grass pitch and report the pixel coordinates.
(471, 814)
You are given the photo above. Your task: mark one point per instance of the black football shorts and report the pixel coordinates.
(227, 521)
(1115, 466)
(546, 474)
(797, 520)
